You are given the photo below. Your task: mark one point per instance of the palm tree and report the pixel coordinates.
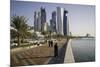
(19, 23)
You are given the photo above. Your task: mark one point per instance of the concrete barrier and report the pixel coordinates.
(69, 58)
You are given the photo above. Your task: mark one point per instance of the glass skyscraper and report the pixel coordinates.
(39, 20)
(65, 23)
(43, 18)
(35, 21)
(53, 22)
(62, 22)
(59, 21)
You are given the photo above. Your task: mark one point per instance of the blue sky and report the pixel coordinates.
(81, 17)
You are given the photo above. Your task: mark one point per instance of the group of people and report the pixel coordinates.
(51, 44)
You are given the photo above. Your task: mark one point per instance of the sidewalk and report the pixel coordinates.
(14, 50)
(61, 55)
(39, 55)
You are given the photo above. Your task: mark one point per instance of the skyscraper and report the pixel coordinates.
(35, 21)
(60, 20)
(39, 21)
(65, 23)
(53, 22)
(43, 18)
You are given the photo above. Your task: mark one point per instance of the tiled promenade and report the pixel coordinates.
(43, 55)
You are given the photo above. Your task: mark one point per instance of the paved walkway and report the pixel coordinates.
(65, 55)
(69, 58)
(14, 50)
(61, 55)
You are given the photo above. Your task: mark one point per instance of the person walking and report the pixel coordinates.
(51, 43)
(38, 44)
(55, 50)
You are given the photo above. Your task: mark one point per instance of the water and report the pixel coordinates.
(83, 49)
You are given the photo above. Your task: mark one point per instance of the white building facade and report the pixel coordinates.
(60, 13)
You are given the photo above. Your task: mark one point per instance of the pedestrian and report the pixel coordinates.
(55, 50)
(51, 43)
(38, 44)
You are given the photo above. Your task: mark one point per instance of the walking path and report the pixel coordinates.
(23, 49)
(65, 55)
(69, 58)
(61, 55)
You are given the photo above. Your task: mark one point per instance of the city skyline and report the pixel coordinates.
(81, 17)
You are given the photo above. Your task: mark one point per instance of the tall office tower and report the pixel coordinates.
(65, 23)
(43, 18)
(51, 28)
(60, 14)
(35, 21)
(39, 21)
(53, 22)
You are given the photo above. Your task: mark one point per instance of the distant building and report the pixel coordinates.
(35, 21)
(51, 29)
(60, 21)
(62, 24)
(43, 18)
(53, 22)
(39, 21)
(65, 23)
(88, 35)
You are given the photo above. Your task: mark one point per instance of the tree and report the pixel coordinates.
(43, 32)
(34, 35)
(19, 23)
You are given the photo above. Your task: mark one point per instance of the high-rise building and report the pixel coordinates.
(51, 29)
(53, 22)
(60, 20)
(65, 23)
(39, 21)
(43, 18)
(35, 21)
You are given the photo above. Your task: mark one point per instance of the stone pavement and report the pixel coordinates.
(65, 55)
(61, 55)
